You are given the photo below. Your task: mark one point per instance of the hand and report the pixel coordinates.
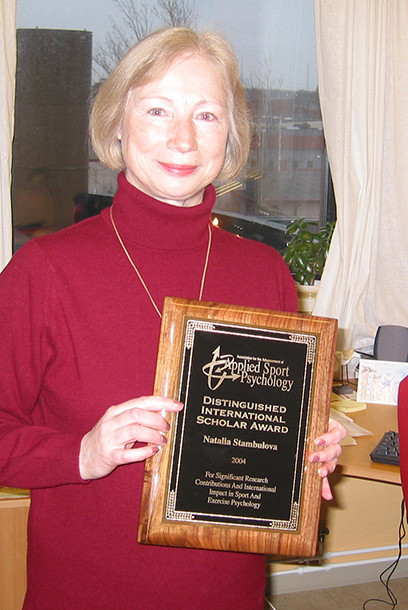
(111, 442)
(328, 453)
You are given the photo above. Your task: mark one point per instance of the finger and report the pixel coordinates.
(132, 412)
(326, 490)
(129, 435)
(327, 468)
(149, 403)
(325, 455)
(133, 418)
(139, 454)
(334, 435)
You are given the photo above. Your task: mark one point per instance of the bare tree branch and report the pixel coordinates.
(264, 78)
(138, 22)
(176, 13)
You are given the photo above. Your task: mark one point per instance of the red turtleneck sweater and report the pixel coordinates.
(79, 334)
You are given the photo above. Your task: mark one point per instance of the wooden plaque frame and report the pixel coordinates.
(256, 387)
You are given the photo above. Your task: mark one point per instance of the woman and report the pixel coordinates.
(78, 339)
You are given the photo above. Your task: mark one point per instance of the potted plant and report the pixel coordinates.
(305, 255)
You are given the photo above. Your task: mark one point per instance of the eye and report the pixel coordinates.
(156, 112)
(207, 116)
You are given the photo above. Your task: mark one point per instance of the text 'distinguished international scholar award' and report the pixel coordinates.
(256, 388)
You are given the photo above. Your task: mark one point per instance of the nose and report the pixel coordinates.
(183, 135)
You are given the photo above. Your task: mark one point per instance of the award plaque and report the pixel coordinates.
(256, 388)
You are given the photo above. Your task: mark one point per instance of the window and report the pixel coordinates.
(54, 170)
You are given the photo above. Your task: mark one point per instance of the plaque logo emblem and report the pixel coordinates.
(219, 369)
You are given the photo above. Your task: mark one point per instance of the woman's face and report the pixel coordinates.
(174, 132)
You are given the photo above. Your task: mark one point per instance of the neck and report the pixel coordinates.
(148, 222)
(139, 275)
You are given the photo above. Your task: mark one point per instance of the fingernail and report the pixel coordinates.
(320, 442)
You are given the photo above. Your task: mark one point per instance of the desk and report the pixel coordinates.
(355, 459)
(364, 516)
(13, 547)
(362, 519)
(364, 490)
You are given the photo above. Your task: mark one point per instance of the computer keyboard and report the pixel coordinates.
(387, 450)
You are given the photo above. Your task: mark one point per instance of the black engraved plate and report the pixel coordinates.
(239, 450)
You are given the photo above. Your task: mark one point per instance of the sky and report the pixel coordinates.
(274, 33)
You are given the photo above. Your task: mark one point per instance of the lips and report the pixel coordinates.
(178, 170)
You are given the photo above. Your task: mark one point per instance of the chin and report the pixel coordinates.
(181, 197)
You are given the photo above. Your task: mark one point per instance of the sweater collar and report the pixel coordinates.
(148, 222)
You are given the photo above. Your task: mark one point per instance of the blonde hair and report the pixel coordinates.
(148, 60)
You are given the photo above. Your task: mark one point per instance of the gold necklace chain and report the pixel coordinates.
(207, 256)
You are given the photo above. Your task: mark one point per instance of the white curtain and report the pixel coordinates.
(7, 87)
(362, 53)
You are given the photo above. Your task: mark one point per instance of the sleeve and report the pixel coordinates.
(32, 455)
(403, 433)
